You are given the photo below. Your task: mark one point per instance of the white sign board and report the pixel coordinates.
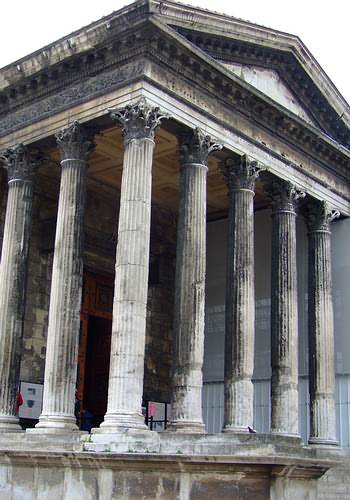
(32, 395)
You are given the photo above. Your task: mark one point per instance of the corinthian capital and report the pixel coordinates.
(139, 121)
(283, 195)
(241, 173)
(74, 142)
(319, 216)
(196, 146)
(20, 163)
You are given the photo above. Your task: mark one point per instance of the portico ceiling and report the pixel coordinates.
(106, 162)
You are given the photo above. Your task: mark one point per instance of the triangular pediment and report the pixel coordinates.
(306, 90)
(270, 83)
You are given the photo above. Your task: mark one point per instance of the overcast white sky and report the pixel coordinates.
(28, 25)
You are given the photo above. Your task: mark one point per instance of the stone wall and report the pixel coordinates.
(335, 484)
(46, 475)
(160, 307)
(37, 303)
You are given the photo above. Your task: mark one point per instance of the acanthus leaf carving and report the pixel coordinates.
(74, 142)
(196, 146)
(241, 172)
(284, 195)
(319, 216)
(139, 120)
(20, 163)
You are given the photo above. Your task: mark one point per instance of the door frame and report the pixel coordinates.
(91, 306)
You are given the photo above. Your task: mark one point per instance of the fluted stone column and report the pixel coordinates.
(13, 269)
(125, 389)
(186, 403)
(66, 286)
(321, 328)
(284, 309)
(240, 176)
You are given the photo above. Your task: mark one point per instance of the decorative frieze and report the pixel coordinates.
(186, 403)
(103, 70)
(240, 175)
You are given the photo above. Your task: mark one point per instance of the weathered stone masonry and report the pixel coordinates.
(139, 64)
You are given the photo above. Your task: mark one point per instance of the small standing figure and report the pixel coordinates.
(19, 402)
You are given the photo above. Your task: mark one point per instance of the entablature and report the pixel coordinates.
(125, 59)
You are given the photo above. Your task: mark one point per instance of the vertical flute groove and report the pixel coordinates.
(189, 308)
(284, 309)
(66, 285)
(240, 305)
(125, 390)
(321, 327)
(12, 296)
(13, 270)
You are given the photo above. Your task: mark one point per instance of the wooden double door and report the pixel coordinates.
(94, 346)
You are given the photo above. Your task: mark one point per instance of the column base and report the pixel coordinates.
(286, 434)
(55, 424)
(122, 440)
(319, 441)
(186, 426)
(116, 422)
(236, 429)
(9, 423)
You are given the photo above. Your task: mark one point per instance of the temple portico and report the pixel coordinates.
(170, 230)
(139, 122)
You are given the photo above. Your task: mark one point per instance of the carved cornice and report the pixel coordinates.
(319, 216)
(74, 142)
(284, 195)
(20, 163)
(139, 121)
(285, 63)
(122, 45)
(196, 146)
(79, 80)
(241, 172)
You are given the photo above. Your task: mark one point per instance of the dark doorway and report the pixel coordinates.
(97, 368)
(94, 349)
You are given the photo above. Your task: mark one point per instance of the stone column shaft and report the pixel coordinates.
(240, 302)
(321, 327)
(284, 310)
(66, 286)
(189, 313)
(131, 272)
(13, 270)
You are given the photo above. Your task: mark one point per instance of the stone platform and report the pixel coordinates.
(182, 467)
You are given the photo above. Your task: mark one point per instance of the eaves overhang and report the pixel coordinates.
(134, 33)
(230, 39)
